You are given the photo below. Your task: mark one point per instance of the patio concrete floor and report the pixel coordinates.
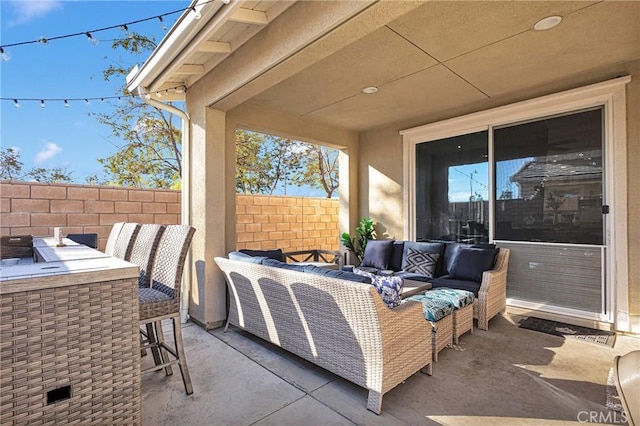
(506, 375)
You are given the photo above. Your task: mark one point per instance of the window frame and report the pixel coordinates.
(608, 94)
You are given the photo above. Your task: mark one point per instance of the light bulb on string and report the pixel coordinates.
(226, 1)
(196, 13)
(163, 27)
(16, 103)
(124, 27)
(4, 55)
(92, 39)
(66, 104)
(158, 94)
(86, 101)
(43, 40)
(42, 105)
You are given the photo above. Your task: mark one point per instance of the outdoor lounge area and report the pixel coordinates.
(511, 127)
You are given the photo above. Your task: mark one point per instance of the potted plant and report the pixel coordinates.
(356, 245)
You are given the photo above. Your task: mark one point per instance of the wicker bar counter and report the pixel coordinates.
(69, 343)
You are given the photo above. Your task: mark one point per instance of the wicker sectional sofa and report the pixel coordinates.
(488, 285)
(340, 325)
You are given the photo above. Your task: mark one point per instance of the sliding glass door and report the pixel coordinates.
(546, 185)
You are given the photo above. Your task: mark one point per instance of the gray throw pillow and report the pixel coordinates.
(420, 246)
(421, 262)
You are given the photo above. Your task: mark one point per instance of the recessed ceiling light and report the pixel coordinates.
(369, 90)
(547, 23)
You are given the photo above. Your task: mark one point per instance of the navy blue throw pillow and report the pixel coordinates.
(470, 263)
(271, 254)
(377, 254)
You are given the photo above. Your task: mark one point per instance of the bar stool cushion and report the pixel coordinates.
(149, 295)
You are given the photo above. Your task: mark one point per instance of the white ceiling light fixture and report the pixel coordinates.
(547, 23)
(369, 90)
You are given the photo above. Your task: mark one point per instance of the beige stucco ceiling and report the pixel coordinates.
(428, 60)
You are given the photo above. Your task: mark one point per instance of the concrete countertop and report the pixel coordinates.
(73, 265)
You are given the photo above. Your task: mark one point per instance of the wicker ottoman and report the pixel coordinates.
(462, 302)
(439, 313)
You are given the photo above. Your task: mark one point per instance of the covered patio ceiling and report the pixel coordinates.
(429, 60)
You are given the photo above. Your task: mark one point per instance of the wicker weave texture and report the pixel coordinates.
(492, 296)
(83, 336)
(442, 335)
(144, 251)
(462, 322)
(113, 237)
(339, 325)
(166, 275)
(126, 239)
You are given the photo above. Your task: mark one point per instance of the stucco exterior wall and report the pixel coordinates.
(381, 157)
(633, 178)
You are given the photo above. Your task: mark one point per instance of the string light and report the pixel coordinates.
(4, 56)
(92, 39)
(67, 101)
(163, 27)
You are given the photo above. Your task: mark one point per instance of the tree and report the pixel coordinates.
(264, 162)
(321, 169)
(152, 156)
(54, 175)
(11, 168)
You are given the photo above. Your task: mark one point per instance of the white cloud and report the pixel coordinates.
(49, 151)
(26, 10)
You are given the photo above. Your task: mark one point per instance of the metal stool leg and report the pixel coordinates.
(184, 370)
(163, 351)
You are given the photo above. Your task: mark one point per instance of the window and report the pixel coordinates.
(549, 180)
(452, 189)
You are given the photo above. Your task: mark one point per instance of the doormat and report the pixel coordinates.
(569, 331)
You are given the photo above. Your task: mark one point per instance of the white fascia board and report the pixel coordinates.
(177, 40)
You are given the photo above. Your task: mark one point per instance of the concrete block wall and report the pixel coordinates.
(289, 223)
(262, 222)
(29, 208)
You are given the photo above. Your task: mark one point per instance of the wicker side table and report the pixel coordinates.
(69, 347)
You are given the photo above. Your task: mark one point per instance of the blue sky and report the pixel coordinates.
(67, 68)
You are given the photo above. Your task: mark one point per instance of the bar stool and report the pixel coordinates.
(143, 255)
(161, 301)
(113, 237)
(126, 239)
